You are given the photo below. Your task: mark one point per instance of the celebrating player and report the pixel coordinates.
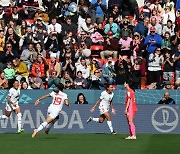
(105, 101)
(130, 111)
(12, 105)
(53, 110)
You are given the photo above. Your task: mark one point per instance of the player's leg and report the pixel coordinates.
(19, 116)
(8, 111)
(109, 123)
(48, 127)
(100, 119)
(42, 125)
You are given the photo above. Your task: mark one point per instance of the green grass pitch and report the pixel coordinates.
(89, 144)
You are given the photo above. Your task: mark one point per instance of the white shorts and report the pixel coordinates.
(103, 109)
(53, 111)
(10, 107)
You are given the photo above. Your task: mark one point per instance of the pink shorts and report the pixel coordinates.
(131, 114)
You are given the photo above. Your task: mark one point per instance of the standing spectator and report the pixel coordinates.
(152, 41)
(177, 62)
(154, 66)
(25, 85)
(99, 10)
(2, 42)
(3, 81)
(110, 47)
(3, 17)
(113, 27)
(80, 82)
(82, 67)
(20, 69)
(168, 68)
(169, 28)
(168, 15)
(115, 13)
(22, 28)
(54, 27)
(157, 26)
(81, 99)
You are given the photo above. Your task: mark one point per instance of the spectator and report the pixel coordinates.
(108, 71)
(15, 15)
(157, 15)
(154, 66)
(54, 27)
(177, 84)
(3, 16)
(98, 8)
(2, 42)
(167, 99)
(28, 56)
(80, 82)
(175, 40)
(170, 4)
(115, 13)
(168, 15)
(110, 47)
(39, 23)
(166, 42)
(9, 74)
(81, 99)
(20, 69)
(168, 67)
(84, 37)
(39, 67)
(54, 8)
(69, 39)
(40, 50)
(156, 6)
(22, 28)
(41, 13)
(157, 26)
(83, 69)
(169, 28)
(3, 81)
(111, 26)
(35, 82)
(53, 80)
(25, 86)
(152, 41)
(125, 29)
(177, 62)
(23, 13)
(66, 77)
(94, 65)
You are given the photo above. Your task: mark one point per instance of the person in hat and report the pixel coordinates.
(41, 13)
(152, 41)
(125, 29)
(110, 46)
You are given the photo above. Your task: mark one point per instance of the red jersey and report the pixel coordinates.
(130, 94)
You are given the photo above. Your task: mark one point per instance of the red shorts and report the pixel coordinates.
(131, 114)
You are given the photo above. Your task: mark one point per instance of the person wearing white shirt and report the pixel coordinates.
(156, 25)
(87, 26)
(54, 27)
(168, 15)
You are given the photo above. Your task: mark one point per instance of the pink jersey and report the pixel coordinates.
(132, 106)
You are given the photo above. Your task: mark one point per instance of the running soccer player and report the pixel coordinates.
(53, 110)
(105, 101)
(130, 111)
(12, 105)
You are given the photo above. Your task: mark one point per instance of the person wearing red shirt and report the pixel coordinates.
(130, 110)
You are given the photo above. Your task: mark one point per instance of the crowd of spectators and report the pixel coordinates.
(43, 43)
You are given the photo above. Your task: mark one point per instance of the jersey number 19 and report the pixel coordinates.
(57, 101)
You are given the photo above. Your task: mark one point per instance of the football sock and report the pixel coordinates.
(44, 124)
(3, 117)
(95, 119)
(51, 124)
(129, 129)
(110, 125)
(133, 129)
(19, 121)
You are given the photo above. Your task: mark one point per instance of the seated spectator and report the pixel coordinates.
(23, 13)
(94, 65)
(167, 99)
(168, 28)
(28, 56)
(41, 13)
(39, 67)
(152, 41)
(80, 82)
(20, 69)
(67, 50)
(156, 6)
(157, 15)
(170, 4)
(39, 23)
(166, 43)
(177, 62)
(108, 71)
(82, 67)
(54, 27)
(175, 40)
(9, 74)
(168, 15)
(154, 23)
(53, 80)
(2, 42)
(25, 85)
(69, 39)
(81, 99)
(177, 84)
(82, 52)
(113, 27)
(16, 16)
(3, 81)
(168, 85)
(110, 47)
(69, 65)
(66, 77)
(96, 81)
(40, 50)
(35, 82)
(3, 17)
(84, 37)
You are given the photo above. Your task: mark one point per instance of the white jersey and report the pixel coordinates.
(58, 99)
(106, 99)
(14, 94)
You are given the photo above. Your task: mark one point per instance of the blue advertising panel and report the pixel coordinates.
(149, 119)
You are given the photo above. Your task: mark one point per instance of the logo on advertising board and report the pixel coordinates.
(165, 119)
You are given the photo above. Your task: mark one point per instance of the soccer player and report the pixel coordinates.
(105, 101)
(53, 110)
(12, 105)
(130, 110)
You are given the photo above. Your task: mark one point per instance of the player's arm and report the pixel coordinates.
(93, 108)
(66, 102)
(9, 100)
(112, 107)
(127, 104)
(41, 98)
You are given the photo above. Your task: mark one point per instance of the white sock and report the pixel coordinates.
(44, 124)
(3, 117)
(51, 124)
(95, 119)
(110, 126)
(19, 115)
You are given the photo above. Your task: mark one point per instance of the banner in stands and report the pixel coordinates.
(149, 119)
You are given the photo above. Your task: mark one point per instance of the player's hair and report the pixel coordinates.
(106, 86)
(130, 83)
(16, 81)
(60, 86)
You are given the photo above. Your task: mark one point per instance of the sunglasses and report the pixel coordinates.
(9, 46)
